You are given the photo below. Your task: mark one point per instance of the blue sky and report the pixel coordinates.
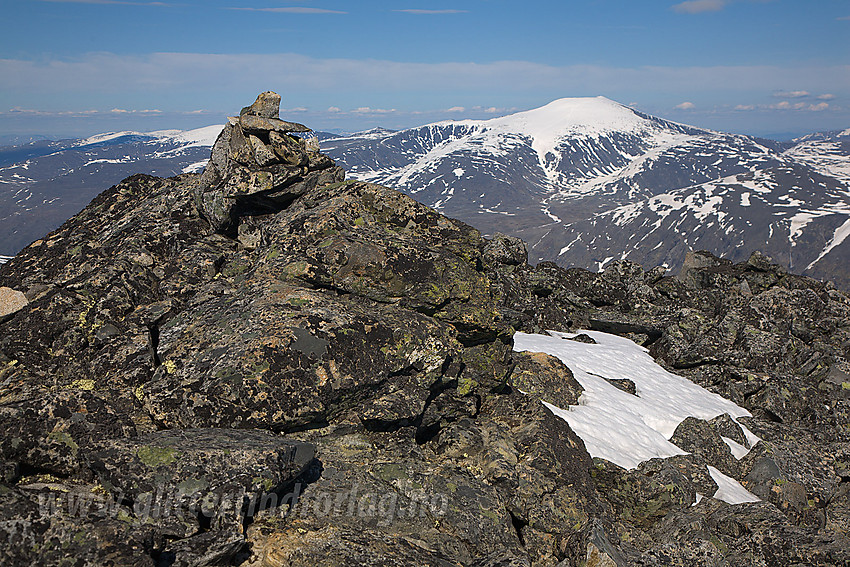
(76, 67)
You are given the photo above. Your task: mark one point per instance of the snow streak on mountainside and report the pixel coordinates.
(828, 153)
(791, 213)
(586, 181)
(44, 183)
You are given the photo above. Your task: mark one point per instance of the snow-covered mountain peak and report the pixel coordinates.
(586, 116)
(198, 137)
(108, 137)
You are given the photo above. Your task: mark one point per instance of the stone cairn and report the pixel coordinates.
(259, 167)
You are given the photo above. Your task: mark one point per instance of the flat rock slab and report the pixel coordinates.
(11, 301)
(251, 123)
(201, 469)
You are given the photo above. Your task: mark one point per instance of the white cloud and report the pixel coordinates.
(493, 110)
(195, 80)
(456, 109)
(290, 10)
(700, 6)
(685, 106)
(785, 105)
(826, 96)
(334, 109)
(791, 94)
(367, 110)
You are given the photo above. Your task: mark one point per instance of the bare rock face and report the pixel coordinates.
(267, 365)
(181, 327)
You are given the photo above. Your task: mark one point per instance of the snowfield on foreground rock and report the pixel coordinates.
(615, 425)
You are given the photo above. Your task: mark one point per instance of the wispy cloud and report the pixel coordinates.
(18, 111)
(367, 110)
(112, 2)
(791, 94)
(700, 6)
(493, 110)
(162, 80)
(289, 10)
(685, 106)
(785, 106)
(826, 96)
(843, 19)
(413, 11)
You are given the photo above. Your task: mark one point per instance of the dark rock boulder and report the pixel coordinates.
(206, 475)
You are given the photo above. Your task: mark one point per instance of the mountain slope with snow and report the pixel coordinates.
(42, 184)
(587, 180)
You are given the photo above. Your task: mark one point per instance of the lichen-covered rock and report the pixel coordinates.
(57, 523)
(189, 334)
(211, 474)
(258, 167)
(546, 378)
(267, 105)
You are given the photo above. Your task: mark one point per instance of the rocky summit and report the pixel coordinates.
(267, 365)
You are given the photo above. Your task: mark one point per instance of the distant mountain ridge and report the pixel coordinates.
(584, 180)
(43, 183)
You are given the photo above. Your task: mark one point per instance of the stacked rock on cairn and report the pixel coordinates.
(258, 167)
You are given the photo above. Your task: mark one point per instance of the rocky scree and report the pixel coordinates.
(267, 329)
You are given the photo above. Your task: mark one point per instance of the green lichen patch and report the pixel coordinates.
(155, 457)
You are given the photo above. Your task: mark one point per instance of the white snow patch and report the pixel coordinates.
(106, 161)
(738, 450)
(601, 265)
(840, 235)
(458, 172)
(545, 210)
(196, 167)
(730, 490)
(745, 199)
(614, 424)
(4, 259)
(798, 222)
(566, 248)
(99, 138)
